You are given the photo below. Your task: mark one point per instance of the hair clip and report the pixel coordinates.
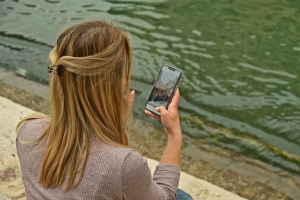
(52, 69)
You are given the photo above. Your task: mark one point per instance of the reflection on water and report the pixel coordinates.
(240, 61)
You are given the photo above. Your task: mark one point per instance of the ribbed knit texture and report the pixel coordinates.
(110, 173)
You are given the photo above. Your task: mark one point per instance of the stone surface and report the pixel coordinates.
(10, 115)
(2, 197)
(7, 175)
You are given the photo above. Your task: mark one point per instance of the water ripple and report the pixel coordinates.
(204, 43)
(282, 73)
(270, 80)
(296, 48)
(30, 5)
(165, 37)
(205, 55)
(151, 14)
(52, 1)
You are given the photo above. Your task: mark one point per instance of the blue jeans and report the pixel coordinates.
(181, 195)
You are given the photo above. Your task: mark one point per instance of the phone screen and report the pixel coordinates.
(163, 89)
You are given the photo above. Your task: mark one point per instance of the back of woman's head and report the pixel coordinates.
(93, 62)
(89, 96)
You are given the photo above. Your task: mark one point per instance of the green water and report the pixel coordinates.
(240, 61)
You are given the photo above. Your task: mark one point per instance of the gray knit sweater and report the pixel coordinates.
(110, 173)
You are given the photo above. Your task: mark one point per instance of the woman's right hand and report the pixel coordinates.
(170, 120)
(170, 117)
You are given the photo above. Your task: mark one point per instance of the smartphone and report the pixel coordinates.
(163, 88)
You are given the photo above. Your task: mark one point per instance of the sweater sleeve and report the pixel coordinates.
(137, 182)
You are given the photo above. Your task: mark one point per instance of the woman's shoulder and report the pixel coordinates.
(31, 129)
(121, 152)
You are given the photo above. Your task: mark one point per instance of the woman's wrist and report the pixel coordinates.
(175, 137)
(174, 130)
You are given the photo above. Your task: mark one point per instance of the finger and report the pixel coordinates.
(175, 99)
(132, 96)
(150, 114)
(153, 115)
(162, 110)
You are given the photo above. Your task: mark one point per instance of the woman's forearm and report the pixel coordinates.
(172, 150)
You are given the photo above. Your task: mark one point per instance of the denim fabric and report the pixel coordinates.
(181, 195)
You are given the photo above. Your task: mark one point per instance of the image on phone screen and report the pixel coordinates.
(163, 88)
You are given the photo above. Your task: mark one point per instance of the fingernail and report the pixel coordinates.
(156, 108)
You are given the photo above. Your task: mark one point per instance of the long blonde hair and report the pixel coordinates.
(89, 95)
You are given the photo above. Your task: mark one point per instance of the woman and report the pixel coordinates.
(81, 150)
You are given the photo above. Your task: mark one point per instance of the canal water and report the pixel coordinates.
(240, 60)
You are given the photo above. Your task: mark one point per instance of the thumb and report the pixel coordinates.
(132, 96)
(162, 110)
